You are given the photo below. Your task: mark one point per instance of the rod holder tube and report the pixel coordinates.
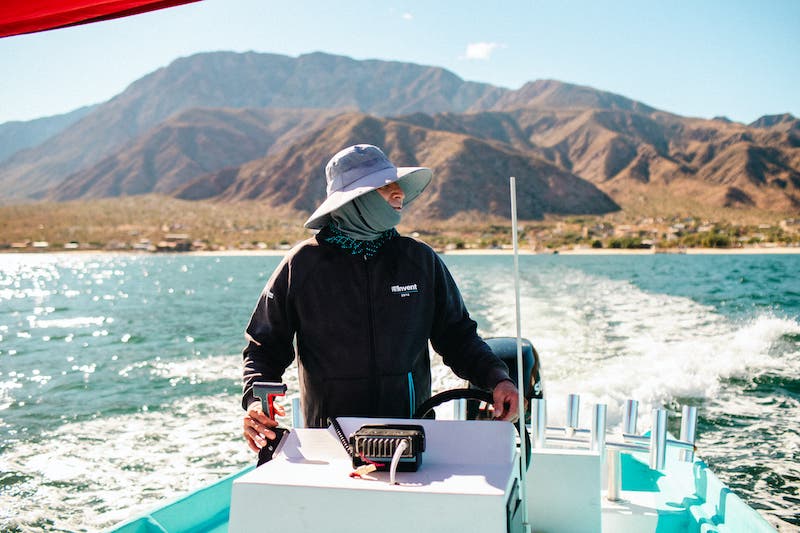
(460, 409)
(539, 422)
(614, 475)
(688, 430)
(629, 415)
(658, 440)
(573, 410)
(297, 416)
(598, 438)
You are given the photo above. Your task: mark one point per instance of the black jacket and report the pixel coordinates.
(362, 328)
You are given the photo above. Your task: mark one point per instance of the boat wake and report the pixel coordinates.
(609, 340)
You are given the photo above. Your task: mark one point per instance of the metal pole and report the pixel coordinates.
(297, 416)
(630, 413)
(539, 422)
(658, 440)
(614, 475)
(598, 442)
(460, 409)
(521, 386)
(573, 412)
(688, 430)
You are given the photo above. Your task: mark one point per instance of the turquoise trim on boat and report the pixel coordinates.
(205, 510)
(688, 498)
(718, 508)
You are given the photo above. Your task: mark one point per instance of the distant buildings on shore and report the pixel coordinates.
(645, 233)
(170, 243)
(663, 234)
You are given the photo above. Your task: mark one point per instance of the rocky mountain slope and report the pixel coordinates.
(19, 135)
(233, 80)
(192, 143)
(228, 126)
(627, 153)
(470, 174)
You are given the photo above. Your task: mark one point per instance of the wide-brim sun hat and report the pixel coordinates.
(362, 168)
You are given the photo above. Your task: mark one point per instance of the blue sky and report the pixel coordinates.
(704, 58)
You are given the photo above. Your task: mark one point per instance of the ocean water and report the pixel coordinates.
(120, 374)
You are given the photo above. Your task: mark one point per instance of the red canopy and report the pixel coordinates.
(28, 16)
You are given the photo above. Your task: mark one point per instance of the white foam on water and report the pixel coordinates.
(74, 322)
(6, 398)
(609, 341)
(199, 369)
(90, 475)
(196, 370)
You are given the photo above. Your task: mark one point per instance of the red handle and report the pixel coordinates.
(270, 400)
(267, 391)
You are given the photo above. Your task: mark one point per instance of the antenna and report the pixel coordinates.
(520, 386)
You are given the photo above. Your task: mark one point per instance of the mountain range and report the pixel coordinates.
(226, 126)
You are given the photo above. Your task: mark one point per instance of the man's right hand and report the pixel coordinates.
(257, 425)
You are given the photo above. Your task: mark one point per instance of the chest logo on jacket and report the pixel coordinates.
(405, 290)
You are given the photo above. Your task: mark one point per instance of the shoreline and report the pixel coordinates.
(763, 250)
(776, 250)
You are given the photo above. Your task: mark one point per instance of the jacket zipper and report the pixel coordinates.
(373, 366)
(412, 400)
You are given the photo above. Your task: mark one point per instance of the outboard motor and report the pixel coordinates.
(505, 348)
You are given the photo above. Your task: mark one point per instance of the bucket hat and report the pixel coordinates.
(362, 168)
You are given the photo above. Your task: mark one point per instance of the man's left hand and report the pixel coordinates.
(506, 401)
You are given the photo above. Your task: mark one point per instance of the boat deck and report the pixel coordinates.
(683, 497)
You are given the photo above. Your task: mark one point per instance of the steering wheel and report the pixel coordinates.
(467, 394)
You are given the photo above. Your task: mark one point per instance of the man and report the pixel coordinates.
(363, 302)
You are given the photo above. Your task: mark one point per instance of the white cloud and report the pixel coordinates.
(482, 51)
(407, 16)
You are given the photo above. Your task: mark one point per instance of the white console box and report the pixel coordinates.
(564, 491)
(468, 471)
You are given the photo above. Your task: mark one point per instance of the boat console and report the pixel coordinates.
(580, 479)
(468, 481)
